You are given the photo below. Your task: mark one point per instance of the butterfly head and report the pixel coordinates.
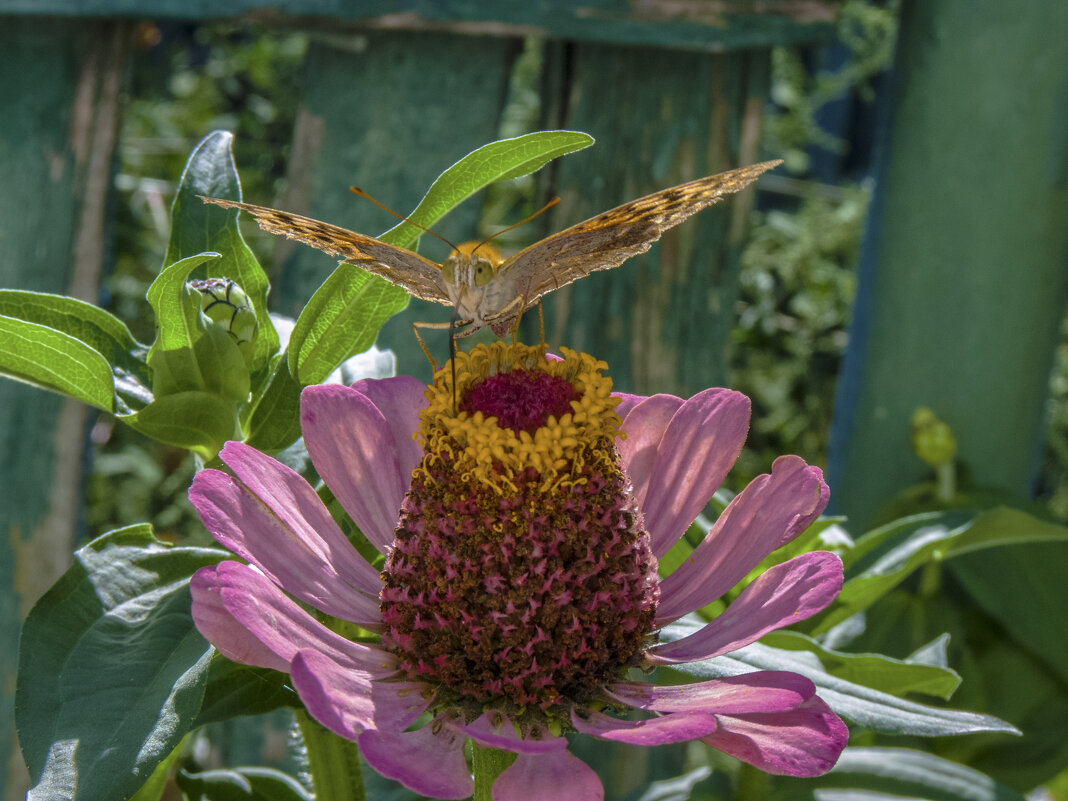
(468, 273)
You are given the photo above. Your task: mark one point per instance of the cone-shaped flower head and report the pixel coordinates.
(520, 575)
(521, 527)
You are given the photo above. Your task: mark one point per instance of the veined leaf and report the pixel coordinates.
(53, 360)
(111, 669)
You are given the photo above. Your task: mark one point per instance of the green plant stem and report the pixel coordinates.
(931, 577)
(946, 474)
(487, 764)
(333, 762)
(752, 784)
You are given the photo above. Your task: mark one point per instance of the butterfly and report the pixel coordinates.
(486, 290)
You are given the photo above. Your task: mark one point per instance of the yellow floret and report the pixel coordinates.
(558, 450)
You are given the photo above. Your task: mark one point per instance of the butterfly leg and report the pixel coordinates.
(422, 344)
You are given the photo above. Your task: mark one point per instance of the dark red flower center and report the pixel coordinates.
(521, 400)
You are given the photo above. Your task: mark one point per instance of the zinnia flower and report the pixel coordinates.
(521, 529)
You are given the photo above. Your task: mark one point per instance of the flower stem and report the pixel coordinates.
(487, 764)
(752, 784)
(333, 762)
(946, 474)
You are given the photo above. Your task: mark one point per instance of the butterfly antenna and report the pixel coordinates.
(360, 193)
(546, 207)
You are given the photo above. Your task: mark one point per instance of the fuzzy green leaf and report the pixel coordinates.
(111, 668)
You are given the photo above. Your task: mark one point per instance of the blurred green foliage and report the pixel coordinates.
(793, 306)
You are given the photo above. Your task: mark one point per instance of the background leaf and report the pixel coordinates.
(242, 784)
(884, 773)
(111, 669)
(862, 706)
(877, 671)
(903, 547)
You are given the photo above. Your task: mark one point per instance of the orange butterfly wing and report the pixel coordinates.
(419, 276)
(610, 238)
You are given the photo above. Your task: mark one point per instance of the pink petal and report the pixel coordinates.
(783, 595)
(626, 403)
(354, 449)
(698, 448)
(232, 639)
(804, 742)
(349, 701)
(268, 615)
(496, 731)
(269, 515)
(427, 762)
(675, 727)
(766, 515)
(400, 400)
(763, 691)
(558, 776)
(645, 423)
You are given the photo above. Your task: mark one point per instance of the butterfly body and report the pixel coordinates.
(486, 290)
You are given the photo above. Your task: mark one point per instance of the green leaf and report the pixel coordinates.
(497, 161)
(198, 227)
(53, 360)
(197, 421)
(876, 671)
(152, 790)
(341, 319)
(242, 784)
(877, 774)
(344, 315)
(235, 690)
(863, 706)
(1024, 589)
(925, 538)
(275, 421)
(111, 669)
(100, 330)
(191, 352)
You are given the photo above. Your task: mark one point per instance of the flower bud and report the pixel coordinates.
(225, 303)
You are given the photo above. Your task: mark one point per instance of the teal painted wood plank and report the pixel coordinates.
(963, 280)
(698, 24)
(389, 117)
(660, 118)
(59, 95)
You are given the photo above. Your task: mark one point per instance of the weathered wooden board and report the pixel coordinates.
(963, 277)
(60, 82)
(710, 25)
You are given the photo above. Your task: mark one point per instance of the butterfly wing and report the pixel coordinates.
(609, 239)
(419, 276)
